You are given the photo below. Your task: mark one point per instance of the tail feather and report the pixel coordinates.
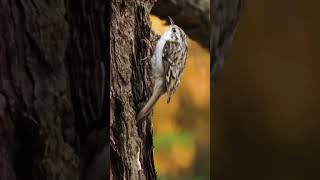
(151, 102)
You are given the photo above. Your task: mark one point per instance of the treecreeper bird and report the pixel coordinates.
(167, 65)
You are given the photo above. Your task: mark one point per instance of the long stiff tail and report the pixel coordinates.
(151, 102)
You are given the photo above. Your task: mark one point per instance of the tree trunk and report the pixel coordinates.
(52, 68)
(130, 87)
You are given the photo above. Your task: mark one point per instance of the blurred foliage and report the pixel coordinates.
(182, 127)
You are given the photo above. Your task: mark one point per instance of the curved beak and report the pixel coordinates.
(171, 21)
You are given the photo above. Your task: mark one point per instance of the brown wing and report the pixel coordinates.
(174, 58)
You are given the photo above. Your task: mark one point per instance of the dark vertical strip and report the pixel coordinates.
(106, 115)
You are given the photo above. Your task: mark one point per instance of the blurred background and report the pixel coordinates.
(266, 105)
(182, 127)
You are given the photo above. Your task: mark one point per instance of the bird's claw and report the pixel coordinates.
(145, 58)
(148, 43)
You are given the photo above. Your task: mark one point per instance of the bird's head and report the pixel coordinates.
(175, 32)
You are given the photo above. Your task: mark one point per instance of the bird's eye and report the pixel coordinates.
(174, 30)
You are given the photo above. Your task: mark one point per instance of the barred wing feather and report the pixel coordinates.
(174, 59)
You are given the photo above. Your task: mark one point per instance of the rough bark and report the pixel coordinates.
(130, 87)
(52, 56)
(192, 15)
(224, 21)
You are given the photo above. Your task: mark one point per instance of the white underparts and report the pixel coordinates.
(156, 60)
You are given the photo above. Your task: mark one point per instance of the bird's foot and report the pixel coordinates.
(150, 49)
